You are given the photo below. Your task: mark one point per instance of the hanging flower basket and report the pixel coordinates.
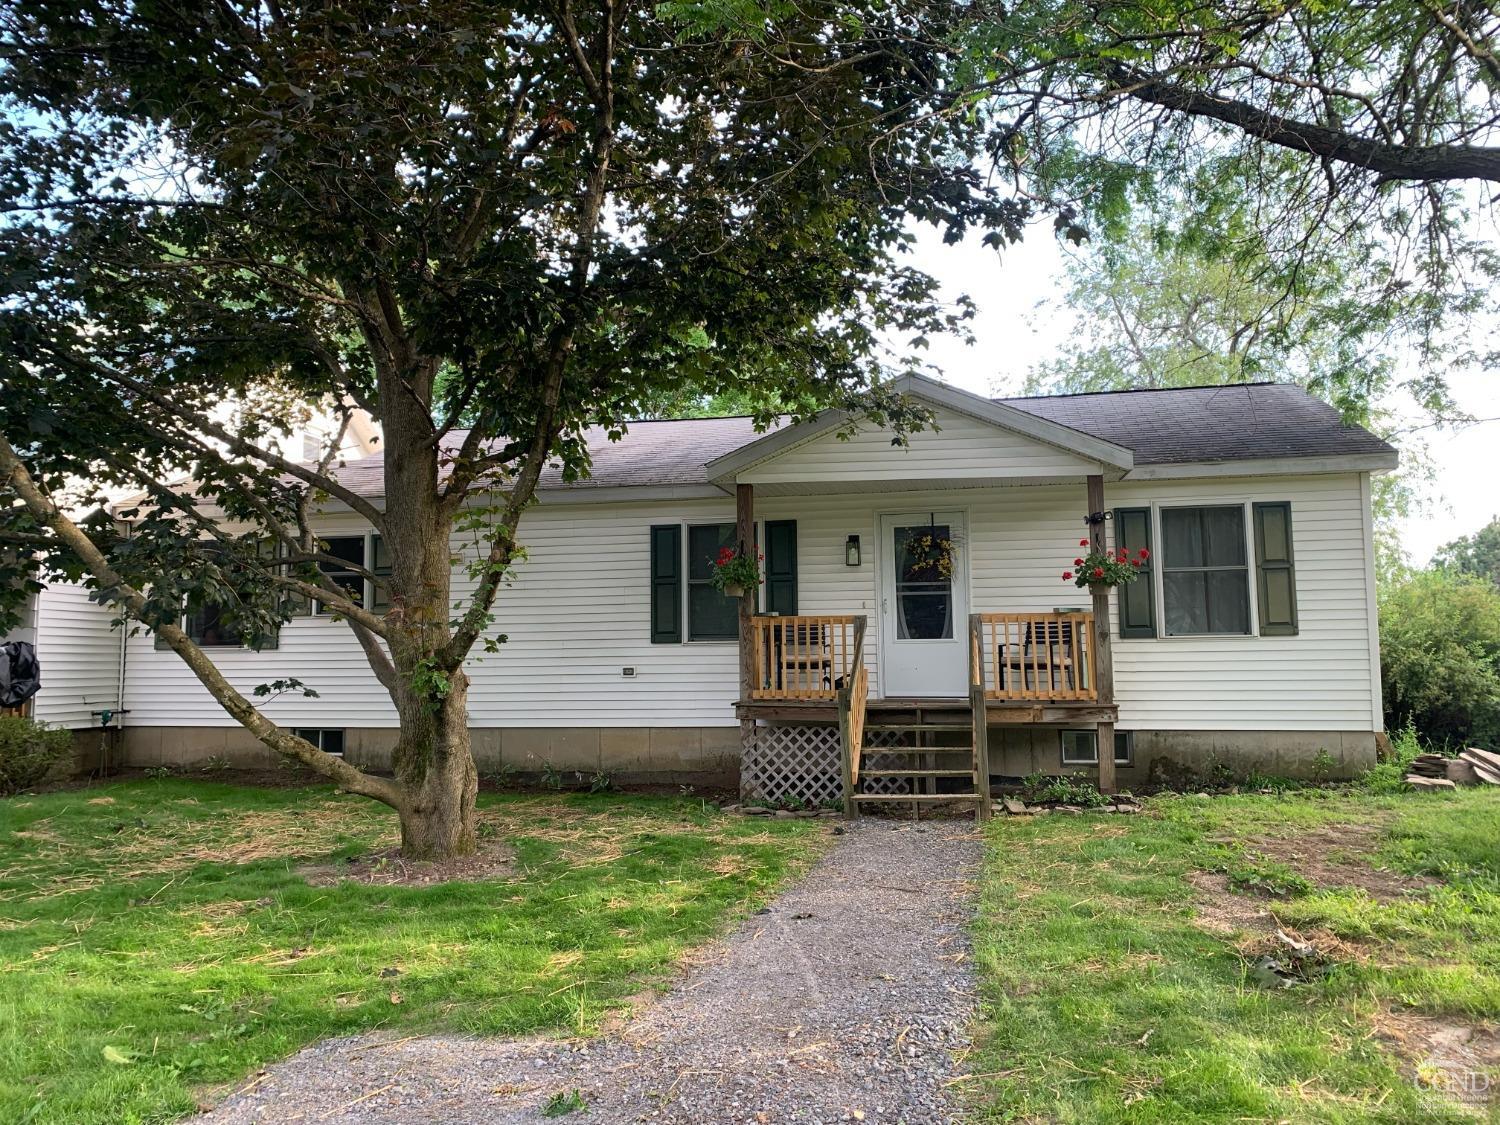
(734, 572)
(1102, 571)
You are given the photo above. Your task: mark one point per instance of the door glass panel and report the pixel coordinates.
(924, 582)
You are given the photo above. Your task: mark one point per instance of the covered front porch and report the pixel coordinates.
(810, 696)
(904, 704)
(914, 589)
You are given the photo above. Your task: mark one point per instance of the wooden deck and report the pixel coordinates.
(997, 711)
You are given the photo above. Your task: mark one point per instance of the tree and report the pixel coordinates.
(1440, 657)
(1275, 138)
(1477, 554)
(1163, 311)
(490, 227)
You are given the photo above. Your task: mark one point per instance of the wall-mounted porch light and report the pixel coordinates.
(851, 551)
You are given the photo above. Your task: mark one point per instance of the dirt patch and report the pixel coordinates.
(1327, 945)
(1339, 856)
(386, 868)
(1221, 911)
(1457, 1062)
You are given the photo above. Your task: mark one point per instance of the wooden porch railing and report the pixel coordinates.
(1033, 656)
(805, 658)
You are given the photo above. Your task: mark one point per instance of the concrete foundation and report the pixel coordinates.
(1018, 751)
(679, 755)
(710, 755)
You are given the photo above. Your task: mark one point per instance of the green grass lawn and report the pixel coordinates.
(157, 939)
(1116, 960)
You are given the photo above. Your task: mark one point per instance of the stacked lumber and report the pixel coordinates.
(1472, 767)
(1484, 763)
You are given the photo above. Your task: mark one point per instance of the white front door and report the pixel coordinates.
(924, 605)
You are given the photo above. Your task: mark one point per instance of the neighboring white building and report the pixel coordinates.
(1251, 638)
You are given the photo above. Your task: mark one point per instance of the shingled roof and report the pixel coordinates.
(1189, 424)
(1252, 421)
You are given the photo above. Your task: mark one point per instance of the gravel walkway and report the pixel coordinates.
(845, 1000)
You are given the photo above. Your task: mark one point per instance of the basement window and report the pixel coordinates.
(329, 740)
(1081, 748)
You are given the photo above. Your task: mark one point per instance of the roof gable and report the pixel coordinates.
(976, 439)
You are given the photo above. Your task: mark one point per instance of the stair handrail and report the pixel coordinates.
(979, 714)
(853, 700)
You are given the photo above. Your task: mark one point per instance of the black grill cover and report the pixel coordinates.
(20, 673)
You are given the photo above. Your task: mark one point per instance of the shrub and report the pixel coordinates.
(1038, 789)
(1440, 657)
(28, 751)
(1389, 775)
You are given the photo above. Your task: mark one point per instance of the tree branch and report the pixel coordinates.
(1390, 162)
(133, 601)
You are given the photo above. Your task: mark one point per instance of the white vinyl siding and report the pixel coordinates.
(1324, 678)
(79, 654)
(579, 612)
(960, 449)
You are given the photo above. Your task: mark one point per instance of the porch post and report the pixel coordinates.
(1103, 661)
(744, 534)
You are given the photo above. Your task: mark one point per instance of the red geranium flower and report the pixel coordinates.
(1083, 542)
(1145, 554)
(1067, 576)
(1098, 572)
(1077, 562)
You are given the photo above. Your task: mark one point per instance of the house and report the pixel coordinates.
(908, 592)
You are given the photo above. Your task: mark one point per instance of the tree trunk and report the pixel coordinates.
(435, 768)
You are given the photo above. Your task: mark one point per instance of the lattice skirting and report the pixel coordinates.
(800, 761)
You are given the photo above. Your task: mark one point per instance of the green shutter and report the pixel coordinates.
(781, 567)
(1275, 574)
(1137, 600)
(666, 584)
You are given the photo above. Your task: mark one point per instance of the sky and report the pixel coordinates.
(1011, 335)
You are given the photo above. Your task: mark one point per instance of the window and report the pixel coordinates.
(1081, 748)
(681, 588)
(210, 628)
(1205, 578)
(210, 625)
(924, 582)
(330, 741)
(380, 567)
(711, 615)
(349, 549)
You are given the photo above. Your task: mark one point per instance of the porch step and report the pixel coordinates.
(902, 798)
(916, 773)
(916, 727)
(869, 749)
